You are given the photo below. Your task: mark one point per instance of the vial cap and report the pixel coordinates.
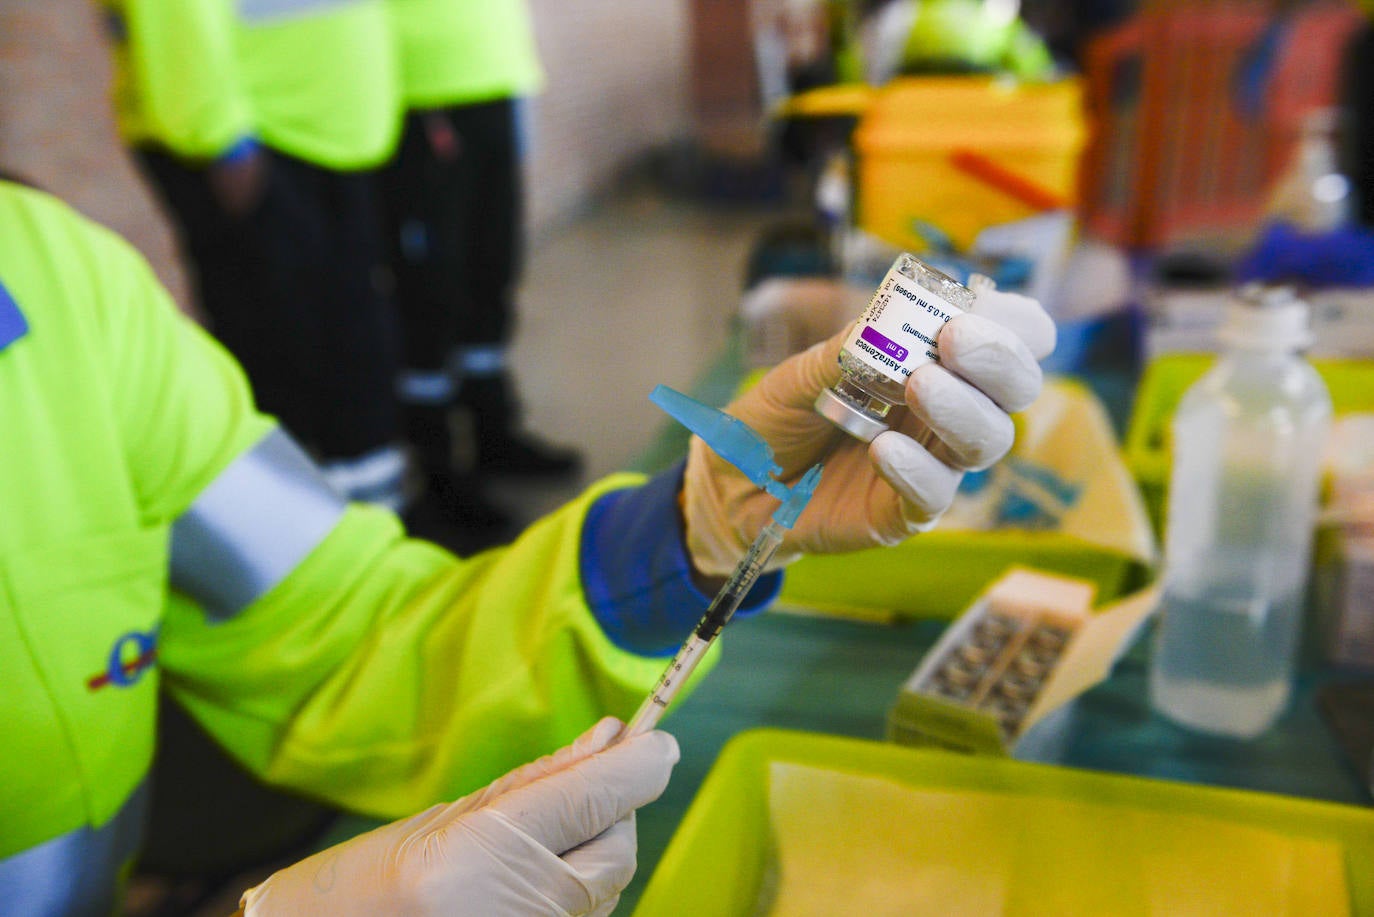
(847, 417)
(1267, 316)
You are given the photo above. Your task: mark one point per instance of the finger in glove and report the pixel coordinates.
(589, 743)
(974, 430)
(610, 856)
(925, 484)
(1027, 319)
(992, 358)
(570, 806)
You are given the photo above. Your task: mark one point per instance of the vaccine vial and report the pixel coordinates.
(896, 334)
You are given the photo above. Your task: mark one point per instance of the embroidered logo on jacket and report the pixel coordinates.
(132, 655)
(13, 325)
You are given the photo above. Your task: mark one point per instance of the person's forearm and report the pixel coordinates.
(356, 675)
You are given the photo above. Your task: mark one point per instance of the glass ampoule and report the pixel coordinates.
(896, 333)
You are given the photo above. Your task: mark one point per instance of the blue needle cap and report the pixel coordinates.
(733, 440)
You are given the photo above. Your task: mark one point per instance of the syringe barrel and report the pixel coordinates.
(716, 617)
(730, 596)
(667, 686)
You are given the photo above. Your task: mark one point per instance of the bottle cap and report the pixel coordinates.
(1267, 316)
(847, 417)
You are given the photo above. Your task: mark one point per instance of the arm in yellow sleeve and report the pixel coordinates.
(376, 671)
(385, 674)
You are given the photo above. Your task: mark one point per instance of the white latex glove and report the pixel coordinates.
(881, 492)
(554, 837)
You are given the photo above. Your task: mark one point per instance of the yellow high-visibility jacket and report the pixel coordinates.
(315, 79)
(457, 52)
(325, 650)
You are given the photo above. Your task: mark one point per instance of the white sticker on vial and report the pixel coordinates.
(899, 329)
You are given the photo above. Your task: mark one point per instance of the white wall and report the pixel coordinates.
(617, 85)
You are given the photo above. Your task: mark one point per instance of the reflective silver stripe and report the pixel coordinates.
(252, 526)
(376, 477)
(479, 360)
(428, 387)
(257, 11)
(74, 875)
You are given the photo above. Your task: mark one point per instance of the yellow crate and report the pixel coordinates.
(987, 835)
(965, 153)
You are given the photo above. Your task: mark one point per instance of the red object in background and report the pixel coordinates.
(993, 173)
(1172, 151)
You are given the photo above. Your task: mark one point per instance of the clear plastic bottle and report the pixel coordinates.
(1247, 449)
(896, 334)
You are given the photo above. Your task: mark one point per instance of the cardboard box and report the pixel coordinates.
(1343, 577)
(1001, 678)
(1351, 635)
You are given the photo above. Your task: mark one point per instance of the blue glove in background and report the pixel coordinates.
(1284, 253)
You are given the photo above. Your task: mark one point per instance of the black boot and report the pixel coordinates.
(458, 499)
(501, 447)
(448, 496)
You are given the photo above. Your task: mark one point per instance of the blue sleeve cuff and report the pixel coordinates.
(239, 150)
(636, 573)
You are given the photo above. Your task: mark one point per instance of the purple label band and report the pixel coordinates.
(886, 345)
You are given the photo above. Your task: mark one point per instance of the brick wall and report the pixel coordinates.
(617, 86)
(56, 128)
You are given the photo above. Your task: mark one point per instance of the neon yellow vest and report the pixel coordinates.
(91, 478)
(968, 33)
(316, 79)
(380, 673)
(454, 52)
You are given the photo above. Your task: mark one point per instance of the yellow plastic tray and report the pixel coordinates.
(964, 835)
(947, 570)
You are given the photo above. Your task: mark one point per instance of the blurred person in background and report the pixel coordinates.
(454, 206)
(914, 37)
(261, 124)
(159, 533)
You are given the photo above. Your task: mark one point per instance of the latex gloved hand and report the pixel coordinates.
(881, 492)
(554, 837)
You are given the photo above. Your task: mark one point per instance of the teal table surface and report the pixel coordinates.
(840, 676)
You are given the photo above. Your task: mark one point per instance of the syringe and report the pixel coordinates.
(717, 615)
(733, 441)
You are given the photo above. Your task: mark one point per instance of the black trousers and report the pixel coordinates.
(454, 221)
(290, 289)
